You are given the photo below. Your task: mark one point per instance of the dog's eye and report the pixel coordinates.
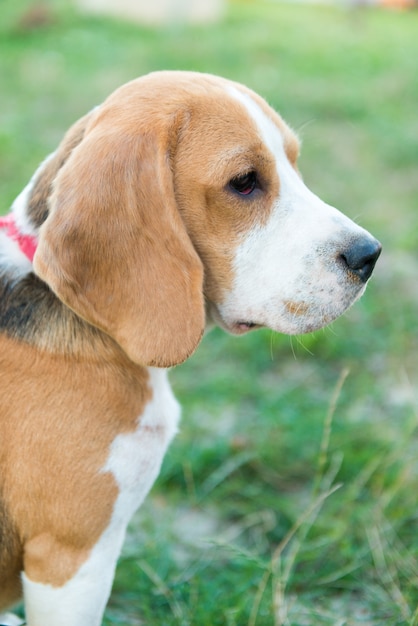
(244, 184)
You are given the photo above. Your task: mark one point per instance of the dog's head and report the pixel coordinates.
(181, 193)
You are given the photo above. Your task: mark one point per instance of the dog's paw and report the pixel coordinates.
(7, 619)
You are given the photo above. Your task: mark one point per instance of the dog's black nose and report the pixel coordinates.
(361, 256)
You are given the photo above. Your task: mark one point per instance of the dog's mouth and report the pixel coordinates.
(240, 328)
(295, 319)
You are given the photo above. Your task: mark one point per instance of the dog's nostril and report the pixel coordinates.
(360, 258)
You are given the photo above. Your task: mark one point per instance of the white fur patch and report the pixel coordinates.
(7, 619)
(134, 460)
(10, 253)
(20, 205)
(286, 272)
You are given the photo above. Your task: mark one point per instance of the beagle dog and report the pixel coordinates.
(174, 205)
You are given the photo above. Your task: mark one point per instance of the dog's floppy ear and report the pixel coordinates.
(115, 250)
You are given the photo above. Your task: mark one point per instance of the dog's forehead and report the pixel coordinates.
(223, 114)
(275, 133)
(231, 127)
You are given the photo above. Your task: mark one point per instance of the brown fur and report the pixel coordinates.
(10, 558)
(113, 229)
(56, 491)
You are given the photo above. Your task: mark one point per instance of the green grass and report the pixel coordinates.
(290, 495)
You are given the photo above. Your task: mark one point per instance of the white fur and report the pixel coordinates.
(286, 272)
(11, 256)
(134, 460)
(20, 205)
(7, 619)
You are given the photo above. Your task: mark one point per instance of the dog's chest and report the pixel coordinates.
(135, 458)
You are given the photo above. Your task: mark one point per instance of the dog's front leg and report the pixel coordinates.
(8, 619)
(81, 600)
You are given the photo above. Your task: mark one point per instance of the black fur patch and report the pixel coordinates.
(25, 302)
(31, 312)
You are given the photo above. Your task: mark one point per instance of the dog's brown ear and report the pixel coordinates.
(115, 250)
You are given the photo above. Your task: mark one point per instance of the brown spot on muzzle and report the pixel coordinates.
(296, 308)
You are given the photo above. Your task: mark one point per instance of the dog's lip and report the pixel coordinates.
(240, 328)
(235, 327)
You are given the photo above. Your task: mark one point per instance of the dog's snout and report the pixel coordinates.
(361, 256)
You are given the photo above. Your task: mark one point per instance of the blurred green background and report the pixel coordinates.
(290, 495)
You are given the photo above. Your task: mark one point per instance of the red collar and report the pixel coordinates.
(27, 243)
